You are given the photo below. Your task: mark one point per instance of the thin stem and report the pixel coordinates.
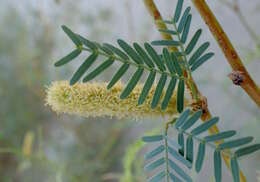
(248, 84)
(136, 65)
(166, 153)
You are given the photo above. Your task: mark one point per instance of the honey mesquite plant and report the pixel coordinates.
(178, 60)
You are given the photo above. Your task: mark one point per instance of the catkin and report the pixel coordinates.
(95, 100)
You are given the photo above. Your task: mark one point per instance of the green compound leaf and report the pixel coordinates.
(132, 83)
(217, 166)
(71, 35)
(99, 69)
(88, 43)
(155, 164)
(158, 90)
(176, 64)
(198, 53)
(220, 136)
(193, 42)
(247, 150)
(130, 51)
(147, 87)
(192, 120)
(83, 68)
(178, 11)
(158, 177)
(147, 60)
(186, 29)
(179, 171)
(155, 57)
(182, 118)
(174, 178)
(181, 143)
(205, 126)
(235, 143)
(168, 60)
(155, 138)
(189, 149)
(183, 19)
(180, 96)
(165, 43)
(168, 94)
(167, 31)
(179, 157)
(68, 58)
(117, 51)
(200, 157)
(201, 60)
(121, 71)
(235, 169)
(154, 152)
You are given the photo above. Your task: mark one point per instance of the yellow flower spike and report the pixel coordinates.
(94, 100)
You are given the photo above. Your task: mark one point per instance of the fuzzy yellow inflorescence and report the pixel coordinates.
(94, 100)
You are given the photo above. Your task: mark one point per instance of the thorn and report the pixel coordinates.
(237, 77)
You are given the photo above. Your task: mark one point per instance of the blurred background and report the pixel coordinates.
(38, 145)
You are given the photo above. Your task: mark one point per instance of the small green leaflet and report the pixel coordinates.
(155, 57)
(189, 149)
(147, 60)
(153, 165)
(83, 68)
(178, 170)
(168, 60)
(235, 169)
(174, 178)
(182, 118)
(121, 71)
(198, 53)
(168, 94)
(179, 157)
(181, 143)
(186, 29)
(157, 177)
(178, 10)
(217, 166)
(183, 19)
(154, 152)
(68, 58)
(235, 143)
(200, 157)
(158, 90)
(176, 64)
(155, 138)
(165, 43)
(201, 60)
(130, 51)
(193, 42)
(170, 32)
(117, 51)
(99, 69)
(247, 150)
(71, 35)
(106, 50)
(180, 96)
(192, 120)
(147, 86)
(220, 136)
(132, 83)
(205, 126)
(88, 43)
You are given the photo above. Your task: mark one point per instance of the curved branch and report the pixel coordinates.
(229, 51)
